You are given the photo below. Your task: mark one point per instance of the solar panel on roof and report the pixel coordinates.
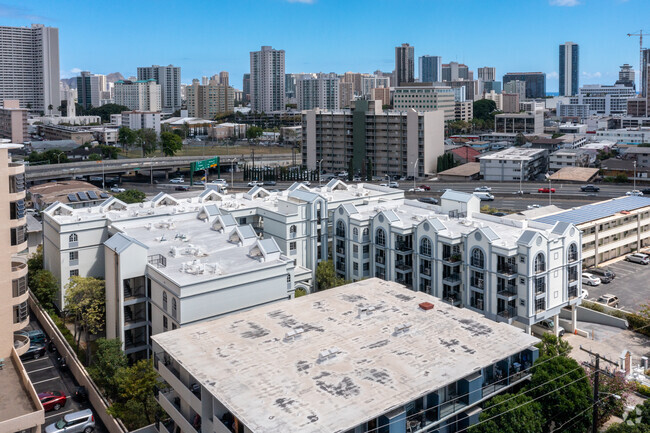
(92, 195)
(72, 198)
(596, 211)
(82, 196)
(103, 195)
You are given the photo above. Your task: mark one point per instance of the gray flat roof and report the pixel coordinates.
(345, 367)
(592, 212)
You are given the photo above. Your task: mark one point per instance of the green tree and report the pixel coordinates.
(44, 286)
(254, 132)
(107, 361)
(520, 139)
(170, 143)
(510, 413)
(50, 108)
(94, 157)
(130, 196)
(369, 170)
(326, 277)
(105, 111)
(85, 301)
(561, 386)
(34, 264)
(350, 169)
(51, 156)
(551, 346)
(484, 109)
(147, 139)
(126, 136)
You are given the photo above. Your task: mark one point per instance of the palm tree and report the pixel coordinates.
(50, 107)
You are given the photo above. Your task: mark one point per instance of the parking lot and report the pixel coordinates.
(631, 285)
(46, 375)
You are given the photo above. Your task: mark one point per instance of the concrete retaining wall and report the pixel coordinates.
(99, 403)
(591, 316)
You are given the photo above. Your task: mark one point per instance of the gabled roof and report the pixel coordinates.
(457, 196)
(243, 234)
(527, 237)
(466, 152)
(560, 228)
(264, 248)
(210, 194)
(437, 224)
(306, 196)
(57, 208)
(112, 203)
(223, 222)
(350, 209)
(208, 212)
(162, 199)
(298, 185)
(335, 184)
(390, 215)
(120, 242)
(489, 233)
(257, 191)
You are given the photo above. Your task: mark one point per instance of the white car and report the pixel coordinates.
(220, 182)
(177, 180)
(483, 189)
(590, 279)
(254, 183)
(635, 192)
(533, 206)
(116, 188)
(306, 183)
(393, 185)
(343, 174)
(585, 294)
(416, 190)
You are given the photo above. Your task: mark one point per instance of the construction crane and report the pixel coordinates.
(641, 72)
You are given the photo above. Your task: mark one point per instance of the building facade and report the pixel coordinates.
(464, 111)
(567, 158)
(569, 69)
(267, 80)
(605, 99)
(13, 121)
(514, 164)
(169, 79)
(373, 82)
(321, 91)
(487, 73)
(430, 69)
(141, 120)
(510, 102)
(404, 64)
(529, 122)
(90, 88)
(516, 87)
(535, 83)
(138, 95)
(29, 67)
(454, 71)
(425, 98)
(580, 111)
(207, 101)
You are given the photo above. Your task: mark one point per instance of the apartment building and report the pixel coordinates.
(523, 272)
(365, 357)
(517, 87)
(579, 111)
(625, 136)
(487, 73)
(61, 132)
(569, 65)
(610, 228)
(138, 95)
(373, 82)
(605, 99)
(381, 94)
(319, 91)
(382, 142)
(169, 80)
(430, 69)
(90, 89)
(141, 120)
(404, 65)
(20, 407)
(464, 111)
(513, 164)
(568, 158)
(207, 101)
(510, 102)
(529, 122)
(495, 96)
(29, 66)
(13, 121)
(454, 71)
(535, 83)
(267, 77)
(425, 98)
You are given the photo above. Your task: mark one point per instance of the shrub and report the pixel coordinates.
(643, 390)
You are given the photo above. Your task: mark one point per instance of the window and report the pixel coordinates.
(540, 305)
(340, 228)
(165, 301)
(292, 247)
(355, 232)
(174, 308)
(19, 286)
(165, 323)
(540, 263)
(573, 253)
(366, 249)
(74, 272)
(292, 230)
(21, 312)
(478, 261)
(355, 267)
(380, 237)
(425, 247)
(288, 278)
(174, 326)
(522, 259)
(74, 257)
(73, 240)
(355, 249)
(366, 267)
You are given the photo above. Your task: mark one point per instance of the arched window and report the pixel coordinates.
(174, 308)
(425, 247)
(478, 259)
(380, 237)
(364, 234)
(292, 230)
(340, 228)
(540, 263)
(573, 253)
(165, 301)
(73, 238)
(355, 232)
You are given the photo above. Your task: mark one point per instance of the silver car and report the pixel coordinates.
(75, 422)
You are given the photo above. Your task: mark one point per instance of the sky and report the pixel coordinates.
(205, 37)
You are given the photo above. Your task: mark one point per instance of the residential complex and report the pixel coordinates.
(605, 99)
(514, 164)
(373, 82)
(516, 87)
(29, 67)
(169, 79)
(425, 98)
(207, 101)
(138, 95)
(430, 69)
(569, 69)
(487, 73)
(528, 122)
(404, 65)
(13, 121)
(364, 357)
(319, 91)
(90, 89)
(568, 158)
(141, 120)
(267, 80)
(464, 111)
(535, 82)
(383, 142)
(454, 71)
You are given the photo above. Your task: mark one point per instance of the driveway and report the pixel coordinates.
(630, 285)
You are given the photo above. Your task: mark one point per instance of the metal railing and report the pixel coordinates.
(507, 269)
(508, 313)
(507, 290)
(157, 260)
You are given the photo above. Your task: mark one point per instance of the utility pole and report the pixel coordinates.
(598, 356)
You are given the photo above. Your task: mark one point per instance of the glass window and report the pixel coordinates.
(292, 230)
(165, 301)
(73, 238)
(174, 308)
(425, 247)
(380, 237)
(478, 259)
(540, 263)
(74, 272)
(292, 246)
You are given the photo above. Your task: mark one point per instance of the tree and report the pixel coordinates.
(44, 286)
(108, 360)
(147, 139)
(126, 136)
(520, 139)
(562, 388)
(85, 300)
(326, 277)
(551, 346)
(483, 109)
(170, 143)
(626, 428)
(105, 111)
(50, 108)
(510, 413)
(369, 170)
(608, 387)
(254, 132)
(350, 169)
(94, 157)
(130, 196)
(51, 156)
(34, 264)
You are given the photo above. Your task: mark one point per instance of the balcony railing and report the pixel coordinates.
(507, 269)
(402, 266)
(451, 278)
(508, 313)
(17, 266)
(507, 290)
(380, 259)
(451, 258)
(573, 276)
(340, 233)
(478, 283)
(340, 250)
(157, 260)
(540, 288)
(403, 246)
(425, 271)
(452, 298)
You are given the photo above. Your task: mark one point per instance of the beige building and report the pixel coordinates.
(210, 100)
(381, 94)
(510, 102)
(144, 95)
(464, 111)
(496, 97)
(60, 132)
(529, 122)
(20, 408)
(13, 121)
(425, 98)
(386, 142)
(346, 94)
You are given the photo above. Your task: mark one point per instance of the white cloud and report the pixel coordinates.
(553, 75)
(564, 3)
(590, 75)
(306, 2)
(70, 73)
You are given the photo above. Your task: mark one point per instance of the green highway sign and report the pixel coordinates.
(205, 164)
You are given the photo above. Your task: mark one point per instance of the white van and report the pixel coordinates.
(484, 196)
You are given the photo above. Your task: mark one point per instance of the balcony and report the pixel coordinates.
(425, 271)
(507, 290)
(573, 276)
(452, 279)
(540, 288)
(403, 266)
(21, 343)
(478, 283)
(173, 378)
(340, 250)
(380, 259)
(452, 406)
(507, 269)
(340, 266)
(170, 402)
(508, 313)
(403, 247)
(452, 298)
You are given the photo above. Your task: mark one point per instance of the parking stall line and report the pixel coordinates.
(41, 369)
(59, 413)
(33, 360)
(46, 380)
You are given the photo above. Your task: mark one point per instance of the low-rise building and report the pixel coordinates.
(60, 132)
(192, 126)
(106, 135)
(73, 193)
(513, 164)
(425, 98)
(604, 99)
(577, 111)
(356, 358)
(222, 131)
(639, 154)
(136, 120)
(626, 136)
(464, 111)
(13, 121)
(530, 122)
(568, 158)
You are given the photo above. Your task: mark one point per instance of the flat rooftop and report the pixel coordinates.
(514, 153)
(596, 211)
(15, 401)
(345, 367)
(574, 174)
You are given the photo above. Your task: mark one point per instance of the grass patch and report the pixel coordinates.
(213, 149)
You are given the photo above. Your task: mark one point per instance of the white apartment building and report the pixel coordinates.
(528, 122)
(568, 158)
(141, 120)
(383, 142)
(267, 80)
(319, 91)
(605, 99)
(625, 136)
(373, 82)
(138, 95)
(513, 164)
(29, 66)
(169, 79)
(581, 111)
(425, 98)
(510, 271)
(464, 111)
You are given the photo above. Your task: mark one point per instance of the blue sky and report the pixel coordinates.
(205, 37)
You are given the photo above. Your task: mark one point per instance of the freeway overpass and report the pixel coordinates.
(36, 173)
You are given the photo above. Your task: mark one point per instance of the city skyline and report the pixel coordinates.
(323, 29)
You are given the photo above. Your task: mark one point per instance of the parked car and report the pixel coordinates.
(483, 188)
(116, 188)
(411, 178)
(546, 326)
(416, 190)
(500, 214)
(634, 192)
(609, 300)
(424, 187)
(270, 183)
(590, 280)
(605, 275)
(220, 182)
(590, 188)
(35, 351)
(253, 183)
(199, 182)
(393, 184)
(306, 183)
(646, 191)
(356, 179)
(75, 422)
(182, 188)
(639, 258)
(428, 200)
(484, 196)
(533, 206)
(52, 400)
(343, 174)
(546, 190)
(35, 337)
(177, 180)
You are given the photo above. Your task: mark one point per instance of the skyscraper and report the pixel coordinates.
(267, 80)
(645, 56)
(535, 82)
(224, 78)
(321, 91)
(29, 66)
(169, 78)
(487, 73)
(246, 87)
(430, 69)
(454, 71)
(569, 68)
(90, 88)
(626, 76)
(404, 64)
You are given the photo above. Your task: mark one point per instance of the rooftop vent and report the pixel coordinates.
(293, 334)
(402, 329)
(426, 306)
(327, 354)
(366, 311)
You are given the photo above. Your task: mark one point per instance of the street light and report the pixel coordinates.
(415, 166)
(634, 178)
(233, 164)
(521, 175)
(103, 177)
(548, 177)
(320, 169)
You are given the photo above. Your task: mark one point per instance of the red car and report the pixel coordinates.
(425, 187)
(52, 400)
(546, 190)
